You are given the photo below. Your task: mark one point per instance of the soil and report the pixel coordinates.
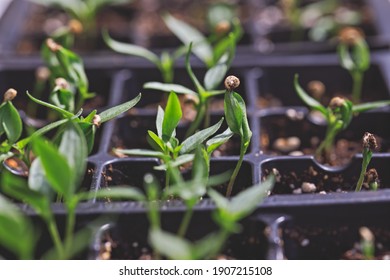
(325, 242)
(250, 244)
(296, 135)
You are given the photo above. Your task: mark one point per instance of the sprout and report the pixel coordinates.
(369, 146)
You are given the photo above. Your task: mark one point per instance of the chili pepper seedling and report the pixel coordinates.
(369, 146)
(338, 115)
(236, 118)
(354, 55)
(165, 144)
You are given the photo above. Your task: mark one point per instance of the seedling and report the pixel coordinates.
(338, 115)
(227, 216)
(165, 144)
(354, 55)
(209, 50)
(164, 63)
(235, 114)
(369, 146)
(367, 243)
(57, 171)
(69, 68)
(202, 93)
(83, 11)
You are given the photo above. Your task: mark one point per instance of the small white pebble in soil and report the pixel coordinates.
(322, 192)
(308, 187)
(292, 186)
(287, 144)
(305, 242)
(339, 190)
(135, 244)
(297, 191)
(317, 118)
(294, 114)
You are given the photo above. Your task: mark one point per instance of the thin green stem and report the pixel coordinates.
(236, 170)
(357, 77)
(70, 223)
(53, 230)
(366, 161)
(207, 115)
(327, 143)
(185, 222)
(198, 119)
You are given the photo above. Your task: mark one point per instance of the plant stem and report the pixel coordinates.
(236, 170)
(198, 119)
(327, 143)
(69, 229)
(51, 224)
(185, 222)
(366, 161)
(357, 77)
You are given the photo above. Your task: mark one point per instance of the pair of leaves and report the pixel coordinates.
(358, 60)
(231, 211)
(236, 117)
(203, 49)
(177, 248)
(347, 112)
(85, 123)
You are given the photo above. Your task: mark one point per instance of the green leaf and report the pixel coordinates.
(233, 112)
(156, 142)
(307, 99)
(117, 110)
(188, 34)
(345, 58)
(361, 53)
(90, 116)
(140, 152)
(180, 160)
(215, 75)
(16, 231)
(172, 116)
(247, 201)
(89, 131)
(37, 180)
(63, 112)
(244, 203)
(359, 108)
(192, 142)
(22, 143)
(116, 192)
(18, 189)
(179, 89)
(130, 49)
(57, 170)
(74, 147)
(215, 142)
(169, 245)
(159, 121)
(201, 165)
(209, 246)
(11, 122)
